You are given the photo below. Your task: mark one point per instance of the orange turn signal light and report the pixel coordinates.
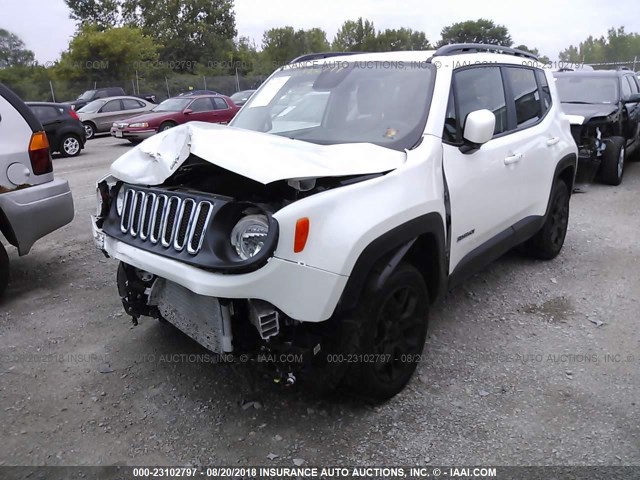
(301, 235)
(39, 141)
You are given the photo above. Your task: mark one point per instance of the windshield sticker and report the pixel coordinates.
(266, 94)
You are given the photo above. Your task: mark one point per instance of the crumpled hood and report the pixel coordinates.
(261, 157)
(585, 112)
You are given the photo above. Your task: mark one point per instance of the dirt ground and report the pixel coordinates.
(528, 363)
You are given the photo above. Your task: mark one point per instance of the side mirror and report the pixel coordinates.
(633, 98)
(188, 111)
(478, 129)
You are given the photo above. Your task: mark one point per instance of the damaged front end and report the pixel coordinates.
(591, 139)
(197, 243)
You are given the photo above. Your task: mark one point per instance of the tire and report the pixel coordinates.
(612, 167)
(166, 126)
(70, 146)
(89, 130)
(392, 319)
(548, 242)
(4, 269)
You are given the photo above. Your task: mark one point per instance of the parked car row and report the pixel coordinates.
(175, 111)
(69, 125)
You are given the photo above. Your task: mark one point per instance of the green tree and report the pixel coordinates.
(190, 31)
(13, 51)
(244, 57)
(476, 31)
(617, 46)
(402, 39)
(281, 45)
(103, 56)
(103, 14)
(356, 36)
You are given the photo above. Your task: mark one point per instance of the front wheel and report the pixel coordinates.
(547, 243)
(393, 321)
(4, 269)
(166, 126)
(612, 167)
(70, 146)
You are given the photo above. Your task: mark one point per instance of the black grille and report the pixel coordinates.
(145, 227)
(126, 212)
(138, 200)
(183, 226)
(167, 234)
(199, 225)
(172, 220)
(157, 218)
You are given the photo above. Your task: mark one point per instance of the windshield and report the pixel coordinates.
(92, 107)
(172, 105)
(385, 103)
(587, 89)
(88, 95)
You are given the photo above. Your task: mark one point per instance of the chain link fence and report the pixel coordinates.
(45, 89)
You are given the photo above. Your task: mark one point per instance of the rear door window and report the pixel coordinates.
(130, 104)
(219, 103)
(524, 89)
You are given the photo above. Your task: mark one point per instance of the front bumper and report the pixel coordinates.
(301, 292)
(36, 211)
(132, 134)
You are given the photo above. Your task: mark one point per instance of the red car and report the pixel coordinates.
(176, 111)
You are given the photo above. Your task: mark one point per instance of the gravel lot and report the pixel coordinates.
(528, 363)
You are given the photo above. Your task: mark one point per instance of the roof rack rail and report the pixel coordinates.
(458, 48)
(318, 56)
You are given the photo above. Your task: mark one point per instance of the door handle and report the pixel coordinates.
(513, 159)
(552, 141)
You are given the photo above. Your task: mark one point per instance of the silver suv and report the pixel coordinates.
(32, 202)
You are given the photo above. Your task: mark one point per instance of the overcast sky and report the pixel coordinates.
(549, 25)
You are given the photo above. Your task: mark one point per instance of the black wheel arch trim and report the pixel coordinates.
(386, 252)
(565, 163)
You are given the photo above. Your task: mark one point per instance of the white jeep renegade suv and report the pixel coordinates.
(348, 194)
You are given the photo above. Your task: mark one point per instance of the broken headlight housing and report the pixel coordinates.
(249, 235)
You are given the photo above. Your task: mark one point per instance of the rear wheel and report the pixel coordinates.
(393, 321)
(89, 130)
(70, 146)
(547, 243)
(612, 167)
(4, 269)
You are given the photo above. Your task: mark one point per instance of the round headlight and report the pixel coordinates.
(120, 201)
(249, 235)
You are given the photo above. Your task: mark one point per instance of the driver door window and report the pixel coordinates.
(481, 88)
